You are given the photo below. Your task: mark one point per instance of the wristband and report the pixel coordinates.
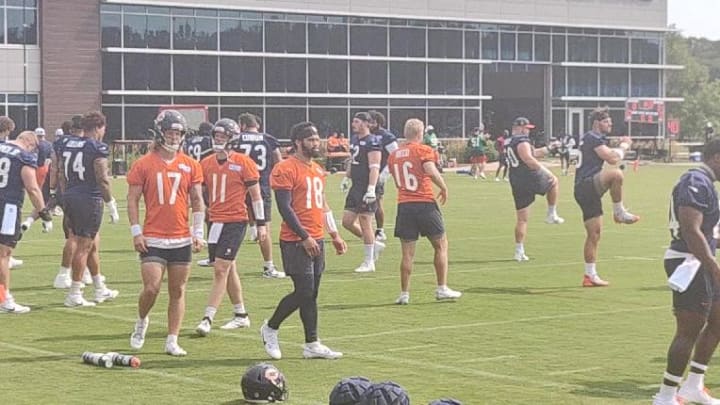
(258, 210)
(136, 230)
(198, 226)
(330, 222)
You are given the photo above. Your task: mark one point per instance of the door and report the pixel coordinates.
(576, 123)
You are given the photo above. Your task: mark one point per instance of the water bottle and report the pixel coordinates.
(98, 359)
(123, 360)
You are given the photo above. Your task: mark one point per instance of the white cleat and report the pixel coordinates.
(174, 349)
(105, 294)
(554, 219)
(75, 301)
(663, 401)
(447, 294)
(87, 277)
(625, 217)
(137, 337)
(272, 272)
(378, 249)
(366, 267)
(204, 327)
(403, 299)
(270, 341)
(521, 257)
(12, 307)
(205, 263)
(696, 395)
(62, 281)
(497, 179)
(15, 263)
(380, 235)
(237, 322)
(317, 350)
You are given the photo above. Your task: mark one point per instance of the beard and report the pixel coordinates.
(311, 152)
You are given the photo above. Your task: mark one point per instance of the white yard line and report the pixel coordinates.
(581, 370)
(483, 359)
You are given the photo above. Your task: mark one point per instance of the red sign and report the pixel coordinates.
(649, 111)
(673, 126)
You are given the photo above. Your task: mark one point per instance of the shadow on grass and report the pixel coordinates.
(469, 261)
(38, 359)
(519, 290)
(624, 389)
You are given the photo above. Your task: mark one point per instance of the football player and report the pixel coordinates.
(413, 167)
(199, 146)
(168, 181)
(567, 142)
(389, 144)
(7, 125)
(228, 176)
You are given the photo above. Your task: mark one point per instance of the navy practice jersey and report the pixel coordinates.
(78, 156)
(519, 171)
(694, 189)
(198, 147)
(45, 151)
(589, 163)
(12, 160)
(57, 145)
(260, 147)
(387, 138)
(359, 150)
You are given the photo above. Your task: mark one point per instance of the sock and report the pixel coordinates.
(519, 247)
(618, 208)
(239, 309)
(210, 312)
(669, 386)
(268, 264)
(590, 269)
(369, 252)
(442, 287)
(552, 210)
(76, 288)
(379, 230)
(171, 340)
(405, 293)
(696, 376)
(97, 282)
(64, 271)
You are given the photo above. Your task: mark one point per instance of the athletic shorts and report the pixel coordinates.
(700, 295)
(224, 239)
(416, 219)
(84, 214)
(9, 224)
(588, 195)
(266, 194)
(478, 159)
(354, 201)
(525, 190)
(380, 188)
(296, 261)
(167, 257)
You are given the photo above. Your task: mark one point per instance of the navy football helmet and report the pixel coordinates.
(385, 393)
(263, 383)
(167, 120)
(349, 390)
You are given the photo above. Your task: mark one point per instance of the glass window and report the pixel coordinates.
(407, 42)
(472, 45)
(17, 113)
(524, 46)
(183, 28)
(134, 31)
(236, 35)
(398, 117)
(644, 50)
(111, 30)
(614, 82)
(407, 77)
(284, 37)
(542, 47)
(195, 73)
(285, 75)
(2, 26)
(645, 83)
(582, 82)
(138, 120)
(614, 50)
(507, 46)
(158, 32)
(445, 78)
(327, 39)
(558, 48)
(445, 43)
(147, 72)
(278, 121)
(368, 77)
(15, 32)
(328, 76)
(111, 71)
(558, 79)
(448, 122)
(558, 123)
(368, 40)
(241, 74)
(472, 80)
(329, 120)
(582, 49)
(113, 129)
(490, 45)
(206, 34)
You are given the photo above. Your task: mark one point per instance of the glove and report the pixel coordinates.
(345, 185)
(27, 224)
(370, 196)
(45, 215)
(47, 226)
(52, 201)
(112, 207)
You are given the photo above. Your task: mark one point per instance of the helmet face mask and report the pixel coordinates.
(170, 127)
(223, 131)
(264, 383)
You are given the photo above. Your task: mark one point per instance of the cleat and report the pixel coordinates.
(378, 249)
(137, 338)
(447, 294)
(205, 263)
(594, 281)
(105, 294)
(521, 257)
(272, 272)
(380, 235)
(497, 179)
(74, 301)
(270, 340)
(317, 350)
(237, 322)
(626, 218)
(366, 268)
(403, 299)
(15, 263)
(696, 395)
(661, 401)
(204, 327)
(62, 281)
(12, 307)
(554, 219)
(174, 349)
(87, 277)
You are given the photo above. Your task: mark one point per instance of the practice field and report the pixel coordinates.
(521, 333)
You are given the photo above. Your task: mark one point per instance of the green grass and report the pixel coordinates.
(522, 333)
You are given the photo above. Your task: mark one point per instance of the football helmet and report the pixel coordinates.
(349, 390)
(263, 383)
(166, 120)
(205, 129)
(385, 393)
(445, 401)
(227, 127)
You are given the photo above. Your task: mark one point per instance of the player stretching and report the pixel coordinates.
(168, 181)
(591, 182)
(228, 176)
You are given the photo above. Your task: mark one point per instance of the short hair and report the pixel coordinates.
(363, 116)
(413, 127)
(258, 120)
(66, 127)
(28, 136)
(247, 120)
(711, 149)
(378, 117)
(76, 122)
(600, 114)
(302, 130)
(6, 124)
(205, 128)
(92, 120)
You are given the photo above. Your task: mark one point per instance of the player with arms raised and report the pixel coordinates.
(168, 181)
(413, 167)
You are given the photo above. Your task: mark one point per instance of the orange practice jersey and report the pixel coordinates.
(406, 167)
(225, 185)
(306, 182)
(166, 192)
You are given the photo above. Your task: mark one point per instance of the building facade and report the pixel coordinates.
(452, 63)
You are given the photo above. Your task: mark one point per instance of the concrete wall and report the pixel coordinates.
(11, 70)
(648, 14)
